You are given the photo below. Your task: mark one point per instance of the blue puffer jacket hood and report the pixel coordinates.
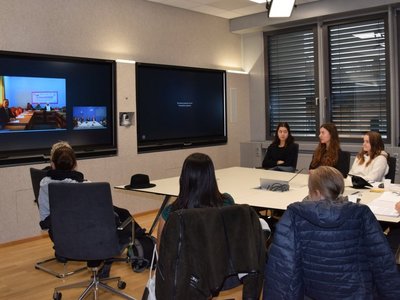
(324, 213)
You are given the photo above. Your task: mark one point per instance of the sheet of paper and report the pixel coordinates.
(353, 198)
(384, 205)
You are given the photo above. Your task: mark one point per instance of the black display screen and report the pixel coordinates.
(179, 107)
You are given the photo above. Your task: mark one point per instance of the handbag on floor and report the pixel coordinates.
(150, 289)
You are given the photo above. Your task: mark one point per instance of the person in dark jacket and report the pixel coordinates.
(197, 188)
(329, 248)
(282, 153)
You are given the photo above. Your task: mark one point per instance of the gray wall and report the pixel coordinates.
(121, 29)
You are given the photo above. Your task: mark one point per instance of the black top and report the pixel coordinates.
(342, 164)
(274, 153)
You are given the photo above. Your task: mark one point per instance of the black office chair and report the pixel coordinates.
(36, 177)
(201, 248)
(297, 156)
(392, 169)
(60, 272)
(84, 229)
(346, 162)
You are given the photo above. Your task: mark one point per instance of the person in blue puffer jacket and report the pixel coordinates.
(326, 247)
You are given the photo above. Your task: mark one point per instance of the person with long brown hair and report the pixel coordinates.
(328, 152)
(282, 153)
(371, 162)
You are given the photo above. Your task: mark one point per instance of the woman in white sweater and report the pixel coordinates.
(371, 162)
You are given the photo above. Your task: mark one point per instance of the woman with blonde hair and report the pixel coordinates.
(330, 248)
(371, 162)
(328, 152)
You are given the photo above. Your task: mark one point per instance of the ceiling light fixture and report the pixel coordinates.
(125, 61)
(279, 8)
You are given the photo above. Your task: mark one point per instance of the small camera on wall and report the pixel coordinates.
(126, 118)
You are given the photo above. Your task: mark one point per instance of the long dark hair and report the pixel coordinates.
(198, 185)
(324, 156)
(290, 138)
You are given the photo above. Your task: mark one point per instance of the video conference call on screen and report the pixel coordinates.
(40, 104)
(52, 98)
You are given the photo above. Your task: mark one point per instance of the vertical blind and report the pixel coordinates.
(292, 81)
(358, 87)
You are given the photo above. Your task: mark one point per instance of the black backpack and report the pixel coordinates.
(141, 251)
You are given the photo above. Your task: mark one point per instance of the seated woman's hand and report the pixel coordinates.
(397, 206)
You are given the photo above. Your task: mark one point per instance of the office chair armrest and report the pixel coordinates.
(125, 223)
(265, 228)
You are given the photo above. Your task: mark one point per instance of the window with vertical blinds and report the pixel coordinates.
(292, 81)
(358, 77)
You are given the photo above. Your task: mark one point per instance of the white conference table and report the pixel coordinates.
(243, 184)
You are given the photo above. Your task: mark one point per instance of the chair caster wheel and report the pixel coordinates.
(57, 296)
(138, 268)
(121, 284)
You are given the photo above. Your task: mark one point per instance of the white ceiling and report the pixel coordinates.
(227, 9)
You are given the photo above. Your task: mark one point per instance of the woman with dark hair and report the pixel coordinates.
(327, 247)
(371, 162)
(197, 188)
(282, 153)
(328, 152)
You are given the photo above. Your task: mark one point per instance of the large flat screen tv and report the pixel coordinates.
(53, 98)
(179, 107)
